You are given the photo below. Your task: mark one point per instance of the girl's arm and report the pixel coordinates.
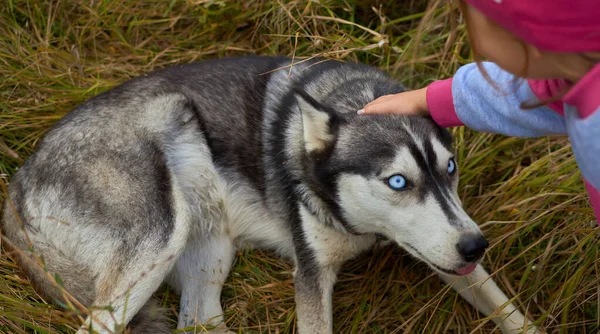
(469, 99)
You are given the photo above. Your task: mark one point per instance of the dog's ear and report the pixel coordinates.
(319, 123)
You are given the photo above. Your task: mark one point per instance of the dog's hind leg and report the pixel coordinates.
(201, 272)
(480, 290)
(137, 271)
(121, 294)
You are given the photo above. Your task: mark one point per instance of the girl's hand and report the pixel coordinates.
(407, 103)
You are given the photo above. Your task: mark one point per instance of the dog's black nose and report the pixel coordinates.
(472, 248)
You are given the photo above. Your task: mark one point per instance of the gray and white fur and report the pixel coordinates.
(164, 177)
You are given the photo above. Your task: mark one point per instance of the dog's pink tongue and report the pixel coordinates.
(466, 270)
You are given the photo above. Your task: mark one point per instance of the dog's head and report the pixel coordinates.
(395, 176)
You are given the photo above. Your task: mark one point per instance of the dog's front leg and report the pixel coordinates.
(314, 288)
(480, 290)
(320, 253)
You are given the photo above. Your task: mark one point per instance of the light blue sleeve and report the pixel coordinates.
(485, 108)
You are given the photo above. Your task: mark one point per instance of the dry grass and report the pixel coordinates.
(527, 194)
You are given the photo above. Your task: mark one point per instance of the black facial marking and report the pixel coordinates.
(432, 178)
(433, 165)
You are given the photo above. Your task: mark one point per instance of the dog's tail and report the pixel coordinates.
(151, 319)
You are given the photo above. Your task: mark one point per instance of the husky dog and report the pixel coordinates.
(162, 178)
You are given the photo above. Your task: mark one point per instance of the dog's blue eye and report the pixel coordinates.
(451, 166)
(397, 182)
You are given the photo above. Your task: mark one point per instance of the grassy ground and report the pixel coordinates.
(527, 194)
